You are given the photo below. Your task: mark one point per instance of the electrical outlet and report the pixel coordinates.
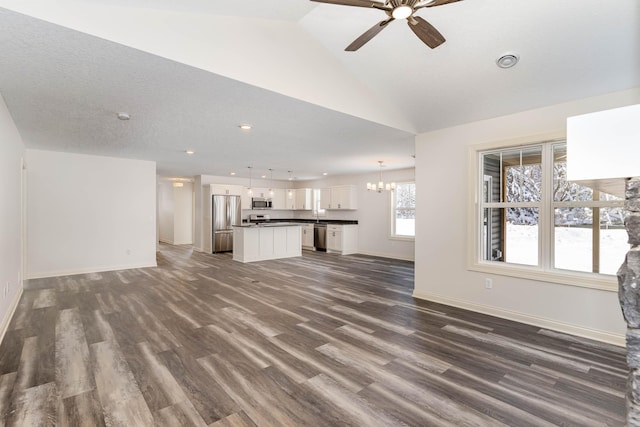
(128, 251)
(488, 283)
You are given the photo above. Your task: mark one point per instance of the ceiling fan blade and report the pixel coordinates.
(426, 32)
(358, 3)
(367, 35)
(435, 3)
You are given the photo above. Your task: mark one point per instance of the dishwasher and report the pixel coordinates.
(320, 237)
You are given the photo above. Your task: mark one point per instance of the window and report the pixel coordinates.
(403, 215)
(317, 203)
(530, 216)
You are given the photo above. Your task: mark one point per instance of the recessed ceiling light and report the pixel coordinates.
(232, 173)
(190, 152)
(325, 173)
(123, 116)
(245, 127)
(263, 176)
(508, 60)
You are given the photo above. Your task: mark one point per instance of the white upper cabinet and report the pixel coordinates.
(290, 199)
(262, 193)
(279, 200)
(224, 189)
(245, 199)
(303, 199)
(325, 198)
(340, 197)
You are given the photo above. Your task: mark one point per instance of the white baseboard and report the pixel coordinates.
(386, 255)
(43, 275)
(174, 243)
(567, 328)
(10, 312)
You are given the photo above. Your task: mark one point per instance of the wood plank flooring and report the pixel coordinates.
(320, 340)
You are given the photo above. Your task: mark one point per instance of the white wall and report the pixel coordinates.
(175, 212)
(165, 211)
(442, 235)
(11, 156)
(89, 213)
(183, 214)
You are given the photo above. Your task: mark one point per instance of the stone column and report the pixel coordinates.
(629, 295)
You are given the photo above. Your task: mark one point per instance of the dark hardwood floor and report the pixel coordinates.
(320, 340)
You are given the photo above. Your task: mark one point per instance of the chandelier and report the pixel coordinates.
(381, 185)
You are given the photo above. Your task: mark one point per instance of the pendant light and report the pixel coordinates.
(381, 185)
(290, 192)
(249, 190)
(271, 182)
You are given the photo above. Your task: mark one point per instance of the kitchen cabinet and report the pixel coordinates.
(307, 236)
(343, 197)
(303, 199)
(342, 239)
(263, 243)
(278, 199)
(298, 199)
(224, 189)
(262, 193)
(334, 239)
(245, 198)
(325, 198)
(290, 198)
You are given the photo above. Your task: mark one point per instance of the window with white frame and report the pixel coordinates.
(403, 211)
(317, 209)
(530, 215)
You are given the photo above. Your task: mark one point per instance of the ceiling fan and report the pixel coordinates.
(397, 9)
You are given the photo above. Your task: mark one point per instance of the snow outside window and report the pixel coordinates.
(530, 215)
(403, 214)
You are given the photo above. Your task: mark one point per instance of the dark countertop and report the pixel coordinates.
(305, 221)
(270, 224)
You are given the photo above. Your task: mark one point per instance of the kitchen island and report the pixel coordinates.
(266, 241)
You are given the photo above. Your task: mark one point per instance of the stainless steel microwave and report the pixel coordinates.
(260, 203)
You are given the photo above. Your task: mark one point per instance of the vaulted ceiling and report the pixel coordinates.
(189, 72)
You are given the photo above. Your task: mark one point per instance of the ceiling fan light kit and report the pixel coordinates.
(402, 12)
(397, 9)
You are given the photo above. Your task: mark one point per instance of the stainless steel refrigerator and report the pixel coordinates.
(226, 214)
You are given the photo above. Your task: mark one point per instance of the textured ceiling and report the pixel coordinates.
(329, 111)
